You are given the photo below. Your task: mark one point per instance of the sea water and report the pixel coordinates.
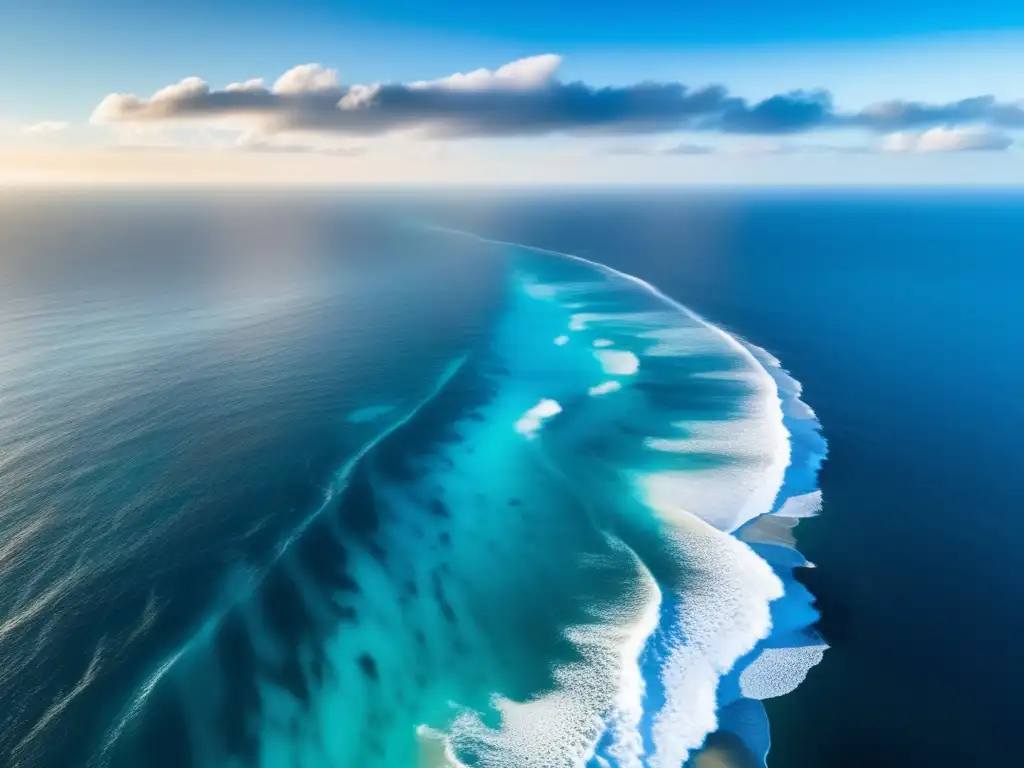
(290, 483)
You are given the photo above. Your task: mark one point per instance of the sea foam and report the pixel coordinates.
(530, 422)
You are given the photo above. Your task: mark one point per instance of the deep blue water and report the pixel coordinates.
(262, 501)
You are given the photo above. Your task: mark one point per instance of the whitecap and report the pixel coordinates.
(604, 388)
(530, 422)
(618, 362)
(722, 613)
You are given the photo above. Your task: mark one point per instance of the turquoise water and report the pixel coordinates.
(900, 312)
(553, 527)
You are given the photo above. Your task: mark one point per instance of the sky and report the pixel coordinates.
(531, 92)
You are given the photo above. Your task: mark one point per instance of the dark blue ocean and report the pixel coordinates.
(481, 479)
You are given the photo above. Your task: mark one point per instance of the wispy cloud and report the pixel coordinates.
(687, 149)
(969, 139)
(525, 98)
(762, 146)
(660, 151)
(296, 145)
(45, 127)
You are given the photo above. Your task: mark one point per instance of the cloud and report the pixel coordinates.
(520, 99)
(906, 115)
(688, 149)
(293, 146)
(45, 127)
(970, 139)
(531, 72)
(305, 78)
(787, 113)
(763, 146)
(674, 149)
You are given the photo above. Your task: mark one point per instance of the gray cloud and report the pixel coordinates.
(908, 115)
(523, 98)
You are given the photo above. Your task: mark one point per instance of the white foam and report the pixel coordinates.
(778, 671)
(737, 489)
(676, 341)
(627, 744)
(435, 751)
(789, 388)
(722, 614)
(530, 422)
(603, 343)
(578, 322)
(805, 505)
(563, 727)
(618, 362)
(583, 320)
(561, 340)
(604, 388)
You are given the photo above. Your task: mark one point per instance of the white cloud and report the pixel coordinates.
(188, 88)
(525, 98)
(247, 86)
(359, 96)
(305, 78)
(969, 139)
(45, 127)
(523, 74)
(162, 104)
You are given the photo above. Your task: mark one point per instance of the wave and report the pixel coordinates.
(559, 557)
(715, 632)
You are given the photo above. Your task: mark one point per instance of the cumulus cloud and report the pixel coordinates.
(531, 72)
(944, 139)
(305, 78)
(45, 127)
(523, 98)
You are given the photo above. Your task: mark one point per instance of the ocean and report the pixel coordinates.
(509, 479)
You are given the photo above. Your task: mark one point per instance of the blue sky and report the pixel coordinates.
(62, 57)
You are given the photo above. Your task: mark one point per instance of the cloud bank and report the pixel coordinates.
(526, 98)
